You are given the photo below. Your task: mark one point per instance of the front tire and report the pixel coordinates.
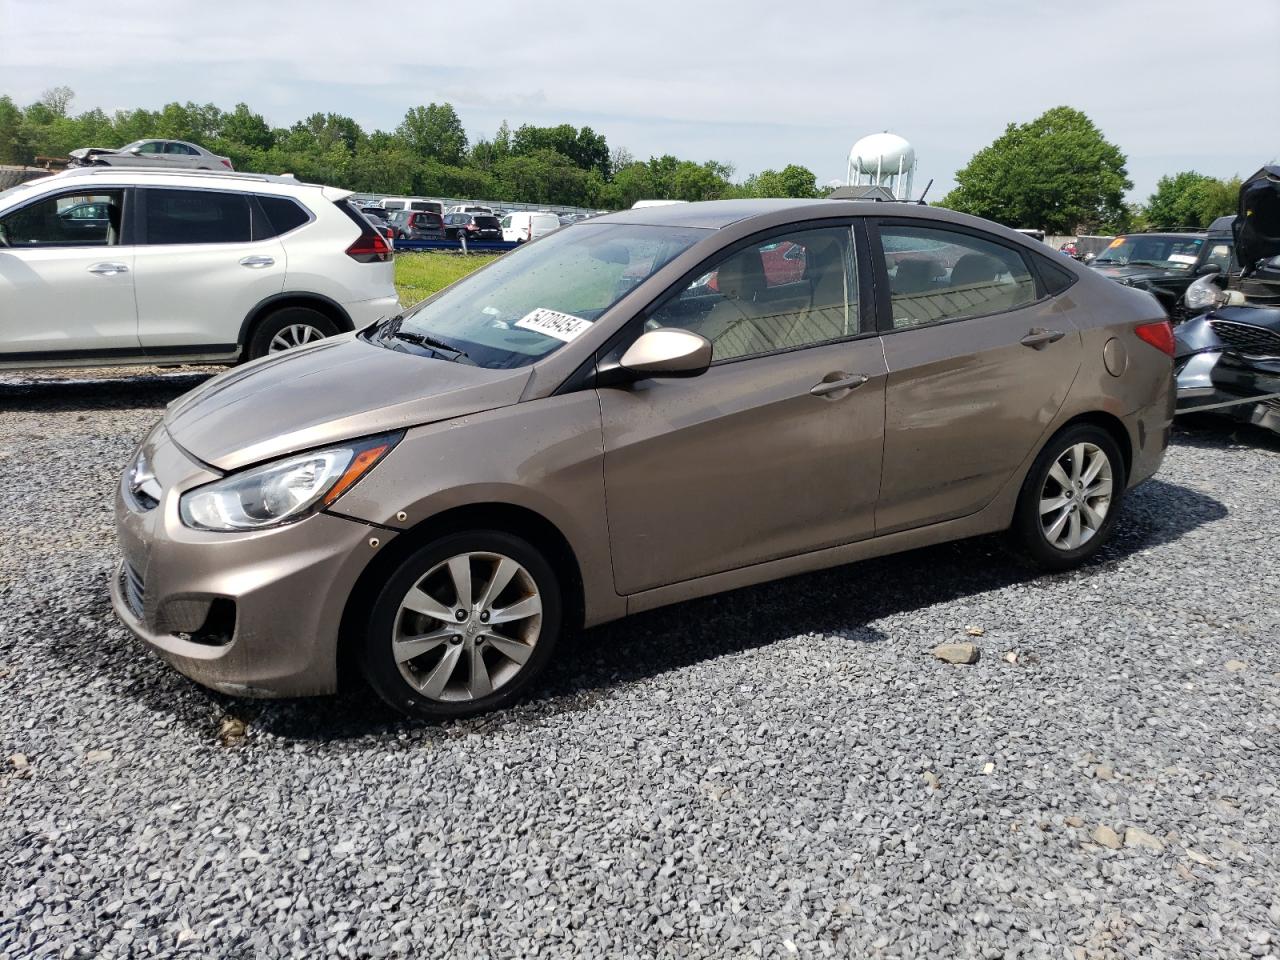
(463, 626)
(288, 328)
(1070, 498)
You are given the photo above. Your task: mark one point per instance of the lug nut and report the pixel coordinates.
(484, 616)
(461, 615)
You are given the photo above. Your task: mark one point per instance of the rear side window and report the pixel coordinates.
(938, 274)
(282, 215)
(1055, 278)
(195, 216)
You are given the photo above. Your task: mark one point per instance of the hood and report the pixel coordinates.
(331, 391)
(1123, 271)
(89, 151)
(1257, 226)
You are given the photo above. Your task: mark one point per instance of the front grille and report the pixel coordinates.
(131, 582)
(1246, 339)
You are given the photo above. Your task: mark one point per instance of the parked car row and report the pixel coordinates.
(107, 264)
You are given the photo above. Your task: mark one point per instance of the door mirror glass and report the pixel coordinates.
(668, 352)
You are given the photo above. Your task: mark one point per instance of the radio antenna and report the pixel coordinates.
(924, 191)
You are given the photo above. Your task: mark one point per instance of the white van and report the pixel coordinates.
(521, 226)
(419, 204)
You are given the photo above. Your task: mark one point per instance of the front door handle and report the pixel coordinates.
(257, 262)
(835, 382)
(1039, 338)
(108, 269)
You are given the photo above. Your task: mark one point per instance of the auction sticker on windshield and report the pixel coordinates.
(553, 323)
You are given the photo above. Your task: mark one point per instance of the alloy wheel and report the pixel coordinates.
(468, 627)
(294, 335)
(1076, 496)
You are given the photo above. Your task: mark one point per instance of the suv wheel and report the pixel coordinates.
(463, 626)
(288, 328)
(1070, 499)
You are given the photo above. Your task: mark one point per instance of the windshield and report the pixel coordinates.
(1174, 253)
(533, 301)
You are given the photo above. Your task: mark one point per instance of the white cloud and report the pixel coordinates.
(756, 83)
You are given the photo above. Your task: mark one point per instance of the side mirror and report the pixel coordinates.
(665, 352)
(135, 150)
(1207, 268)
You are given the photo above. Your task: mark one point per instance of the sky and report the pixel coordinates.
(1177, 84)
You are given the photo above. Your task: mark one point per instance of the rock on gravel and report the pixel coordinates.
(772, 803)
(959, 653)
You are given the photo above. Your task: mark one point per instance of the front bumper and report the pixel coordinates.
(250, 614)
(1214, 381)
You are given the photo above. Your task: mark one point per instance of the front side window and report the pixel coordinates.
(196, 216)
(1221, 255)
(148, 147)
(66, 220)
(794, 290)
(506, 222)
(530, 303)
(938, 274)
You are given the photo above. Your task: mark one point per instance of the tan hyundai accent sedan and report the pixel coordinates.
(630, 412)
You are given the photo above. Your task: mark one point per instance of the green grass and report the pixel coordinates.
(418, 275)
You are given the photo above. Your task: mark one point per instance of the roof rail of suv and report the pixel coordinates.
(211, 174)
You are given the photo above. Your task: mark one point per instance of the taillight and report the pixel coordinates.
(528, 232)
(1159, 334)
(370, 246)
(227, 163)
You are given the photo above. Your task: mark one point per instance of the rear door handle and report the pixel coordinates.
(835, 382)
(257, 262)
(1040, 337)
(108, 269)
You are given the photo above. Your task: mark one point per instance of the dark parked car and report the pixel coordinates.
(1165, 264)
(418, 225)
(1228, 359)
(476, 226)
(378, 217)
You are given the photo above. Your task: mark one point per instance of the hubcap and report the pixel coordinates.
(294, 335)
(1076, 496)
(468, 627)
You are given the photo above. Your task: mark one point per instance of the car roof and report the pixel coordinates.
(129, 176)
(718, 214)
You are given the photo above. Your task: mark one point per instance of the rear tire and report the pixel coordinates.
(287, 328)
(426, 661)
(1070, 498)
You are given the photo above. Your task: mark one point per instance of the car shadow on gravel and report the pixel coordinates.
(48, 392)
(837, 606)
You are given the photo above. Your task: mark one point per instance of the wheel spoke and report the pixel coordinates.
(1053, 503)
(480, 685)
(460, 571)
(1077, 461)
(1073, 532)
(406, 648)
(1100, 489)
(438, 678)
(1054, 530)
(511, 649)
(1060, 476)
(517, 611)
(1092, 517)
(502, 574)
(421, 602)
(1096, 463)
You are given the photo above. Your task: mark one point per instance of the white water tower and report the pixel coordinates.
(883, 160)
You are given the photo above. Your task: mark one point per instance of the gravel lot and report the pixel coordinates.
(784, 771)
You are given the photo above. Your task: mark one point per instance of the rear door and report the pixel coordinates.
(200, 272)
(775, 450)
(979, 359)
(67, 277)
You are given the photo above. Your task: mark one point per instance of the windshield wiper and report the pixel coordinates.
(1143, 263)
(433, 343)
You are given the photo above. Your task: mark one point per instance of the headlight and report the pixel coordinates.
(1204, 294)
(284, 491)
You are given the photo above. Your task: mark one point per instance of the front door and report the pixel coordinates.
(980, 362)
(66, 278)
(775, 450)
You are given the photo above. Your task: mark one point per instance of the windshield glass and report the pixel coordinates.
(533, 301)
(1174, 253)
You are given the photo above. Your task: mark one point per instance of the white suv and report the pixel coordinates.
(103, 265)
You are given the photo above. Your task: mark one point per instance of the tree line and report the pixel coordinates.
(427, 154)
(1056, 172)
